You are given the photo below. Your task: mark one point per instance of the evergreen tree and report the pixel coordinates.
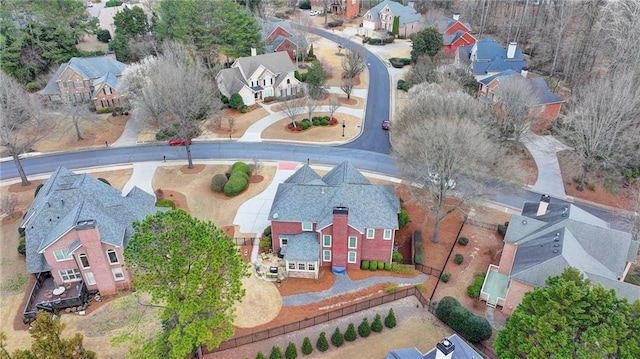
(291, 352)
(364, 329)
(322, 344)
(376, 325)
(307, 348)
(350, 334)
(390, 319)
(260, 355)
(337, 339)
(310, 55)
(276, 353)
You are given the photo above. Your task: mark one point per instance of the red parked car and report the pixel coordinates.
(386, 124)
(178, 142)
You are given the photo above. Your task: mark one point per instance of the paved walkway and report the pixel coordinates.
(544, 150)
(142, 177)
(489, 315)
(344, 284)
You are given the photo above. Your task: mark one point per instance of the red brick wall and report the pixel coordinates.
(547, 114)
(514, 295)
(278, 228)
(507, 257)
(377, 249)
(279, 31)
(352, 9)
(114, 95)
(340, 231)
(289, 47)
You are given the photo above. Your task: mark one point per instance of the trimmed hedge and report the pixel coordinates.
(397, 257)
(463, 241)
(235, 185)
(242, 167)
(445, 276)
(166, 203)
(474, 290)
(373, 265)
(322, 344)
(403, 218)
(387, 266)
(472, 327)
(218, 181)
(364, 265)
(376, 325)
(458, 258)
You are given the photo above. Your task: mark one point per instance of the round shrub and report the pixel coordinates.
(234, 186)
(337, 338)
(260, 355)
(236, 101)
(316, 121)
(166, 203)
(458, 258)
(373, 265)
(218, 181)
(22, 246)
(387, 266)
(242, 167)
(322, 344)
(240, 174)
(291, 352)
(380, 265)
(307, 348)
(276, 353)
(364, 265)
(305, 125)
(364, 329)
(376, 325)
(324, 122)
(397, 257)
(445, 277)
(390, 319)
(403, 218)
(445, 307)
(350, 334)
(267, 232)
(463, 241)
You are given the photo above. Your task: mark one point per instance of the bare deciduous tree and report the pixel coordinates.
(217, 122)
(424, 70)
(334, 104)
(22, 123)
(293, 108)
(8, 205)
(353, 62)
(347, 85)
(256, 166)
(310, 105)
(136, 86)
(436, 146)
(76, 112)
(514, 109)
(231, 121)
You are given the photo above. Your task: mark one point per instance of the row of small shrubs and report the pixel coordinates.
(305, 124)
(417, 247)
(399, 63)
(474, 289)
(337, 338)
(472, 327)
(375, 265)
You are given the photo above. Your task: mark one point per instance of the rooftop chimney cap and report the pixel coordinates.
(445, 346)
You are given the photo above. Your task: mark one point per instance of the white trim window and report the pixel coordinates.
(387, 234)
(84, 260)
(352, 256)
(62, 255)
(283, 242)
(118, 274)
(292, 265)
(307, 226)
(70, 275)
(112, 256)
(326, 255)
(326, 240)
(353, 242)
(311, 266)
(371, 233)
(89, 278)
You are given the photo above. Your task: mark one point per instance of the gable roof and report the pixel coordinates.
(461, 350)
(444, 23)
(492, 57)
(407, 14)
(90, 68)
(67, 199)
(233, 79)
(271, 26)
(450, 39)
(567, 236)
(538, 86)
(305, 197)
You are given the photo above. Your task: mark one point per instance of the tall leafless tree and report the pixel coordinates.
(22, 123)
(76, 112)
(353, 62)
(515, 108)
(310, 105)
(347, 85)
(334, 104)
(293, 108)
(436, 145)
(135, 85)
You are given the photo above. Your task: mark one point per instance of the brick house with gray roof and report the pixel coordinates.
(336, 220)
(78, 227)
(550, 237)
(259, 76)
(381, 17)
(85, 79)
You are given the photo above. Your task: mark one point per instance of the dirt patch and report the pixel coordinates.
(190, 171)
(241, 122)
(179, 199)
(350, 101)
(327, 52)
(18, 187)
(95, 130)
(279, 130)
(260, 305)
(525, 162)
(293, 286)
(601, 187)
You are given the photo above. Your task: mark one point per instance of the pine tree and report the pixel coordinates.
(291, 352)
(310, 55)
(390, 319)
(307, 348)
(322, 344)
(337, 339)
(276, 353)
(260, 355)
(364, 329)
(350, 334)
(376, 325)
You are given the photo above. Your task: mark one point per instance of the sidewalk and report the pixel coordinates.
(543, 149)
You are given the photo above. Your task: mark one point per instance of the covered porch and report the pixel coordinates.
(302, 255)
(495, 287)
(50, 296)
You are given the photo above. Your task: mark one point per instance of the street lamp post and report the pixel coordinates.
(343, 126)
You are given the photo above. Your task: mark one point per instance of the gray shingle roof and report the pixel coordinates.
(233, 79)
(406, 13)
(67, 198)
(461, 350)
(304, 198)
(566, 236)
(90, 68)
(538, 86)
(623, 290)
(302, 247)
(492, 57)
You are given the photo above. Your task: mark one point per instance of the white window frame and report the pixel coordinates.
(311, 266)
(324, 238)
(284, 242)
(62, 255)
(387, 237)
(302, 266)
(83, 255)
(89, 278)
(355, 257)
(324, 255)
(71, 275)
(292, 266)
(371, 233)
(355, 245)
(111, 250)
(115, 271)
(307, 226)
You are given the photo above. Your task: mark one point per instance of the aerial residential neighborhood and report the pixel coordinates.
(326, 179)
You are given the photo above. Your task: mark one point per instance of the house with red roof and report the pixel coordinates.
(455, 33)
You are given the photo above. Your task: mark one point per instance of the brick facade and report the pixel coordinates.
(514, 295)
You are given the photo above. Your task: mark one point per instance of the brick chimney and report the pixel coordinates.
(544, 203)
(456, 16)
(339, 236)
(444, 349)
(511, 50)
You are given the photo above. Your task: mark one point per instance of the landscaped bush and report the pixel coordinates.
(445, 277)
(376, 325)
(373, 41)
(22, 246)
(458, 258)
(166, 203)
(337, 338)
(240, 174)
(242, 167)
(33, 86)
(445, 307)
(236, 101)
(387, 266)
(103, 111)
(350, 334)
(316, 121)
(307, 348)
(474, 290)
(380, 265)
(112, 3)
(403, 218)
(267, 231)
(335, 23)
(268, 99)
(260, 355)
(235, 185)
(419, 257)
(364, 265)
(276, 353)
(305, 125)
(38, 188)
(502, 228)
(401, 84)
(463, 241)
(324, 121)
(474, 328)
(397, 257)
(265, 243)
(322, 344)
(388, 40)
(218, 181)
(364, 329)
(396, 62)
(225, 100)
(291, 352)
(373, 265)
(390, 319)
(333, 121)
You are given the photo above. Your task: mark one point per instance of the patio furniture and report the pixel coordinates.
(264, 256)
(59, 290)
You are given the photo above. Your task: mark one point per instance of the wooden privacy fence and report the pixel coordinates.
(244, 241)
(428, 270)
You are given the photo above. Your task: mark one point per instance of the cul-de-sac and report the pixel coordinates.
(282, 179)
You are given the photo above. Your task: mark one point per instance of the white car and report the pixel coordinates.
(435, 179)
(314, 13)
